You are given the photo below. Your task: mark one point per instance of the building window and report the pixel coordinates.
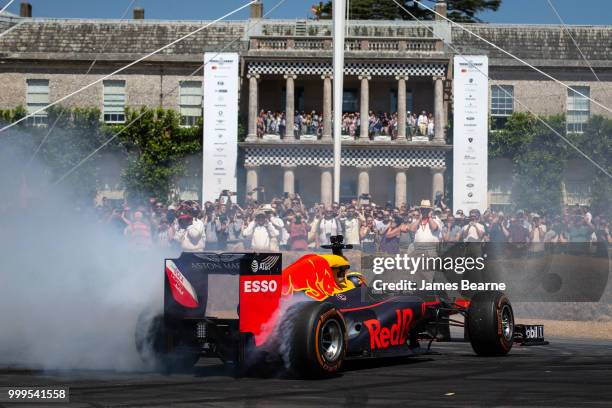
(502, 105)
(190, 102)
(350, 101)
(114, 101)
(37, 98)
(578, 109)
(393, 101)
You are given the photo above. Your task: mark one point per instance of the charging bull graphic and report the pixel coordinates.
(312, 275)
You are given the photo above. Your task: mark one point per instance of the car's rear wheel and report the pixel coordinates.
(313, 339)
(161, 348)
(490, 324)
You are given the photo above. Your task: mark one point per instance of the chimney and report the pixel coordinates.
(441, 8)
(139, 13)
(25, 10)
(257, 9)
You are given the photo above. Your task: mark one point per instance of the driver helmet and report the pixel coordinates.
(339, 267)
(356, 278)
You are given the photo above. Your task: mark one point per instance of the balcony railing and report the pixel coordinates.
(379, 45)
(356, 28)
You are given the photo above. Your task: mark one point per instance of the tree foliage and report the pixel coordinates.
(458, 10)
(596, 142)
(48, 154)
(540, 158)
(156, 146)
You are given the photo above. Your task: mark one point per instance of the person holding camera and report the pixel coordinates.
(451, 232)
(279, 240)
(427, 228)
(390, 238)
(261, 232)
(139, 232)
(190, 234)
(439, 201)
(518, 232)
(581, 229)
(351, 226)
(367, 235)
(536, 235)
(298, 232)
(234, 230)
(474, 231)
(498, 231)
(328, 226)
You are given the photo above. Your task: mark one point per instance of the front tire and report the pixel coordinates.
(313, 340)
(490, 324)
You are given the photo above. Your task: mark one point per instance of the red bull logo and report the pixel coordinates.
(397, 334)
(312, 275)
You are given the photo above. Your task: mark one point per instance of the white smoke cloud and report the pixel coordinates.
(70, 287)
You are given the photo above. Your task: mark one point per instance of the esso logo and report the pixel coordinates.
(260, 286)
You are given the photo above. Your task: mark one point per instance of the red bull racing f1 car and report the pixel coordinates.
(310, 317)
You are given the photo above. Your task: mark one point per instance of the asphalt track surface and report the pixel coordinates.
(565, 373)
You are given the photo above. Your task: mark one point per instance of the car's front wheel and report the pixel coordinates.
(490, 324)
(313, 340)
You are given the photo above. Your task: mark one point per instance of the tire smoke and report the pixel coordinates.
(71, 288)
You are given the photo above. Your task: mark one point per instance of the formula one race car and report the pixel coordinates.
(309, 318)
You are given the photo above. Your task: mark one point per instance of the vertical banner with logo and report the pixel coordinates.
(470, 135)
(220, 145)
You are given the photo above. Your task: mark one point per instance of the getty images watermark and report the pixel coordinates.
(559, 272)
(404, 264)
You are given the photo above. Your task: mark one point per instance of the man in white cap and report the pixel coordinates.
(277, 222)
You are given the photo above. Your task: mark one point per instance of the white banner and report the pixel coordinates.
(470, 135)
(220, 124)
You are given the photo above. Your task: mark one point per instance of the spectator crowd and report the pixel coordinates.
(379, 124)
(285, 223)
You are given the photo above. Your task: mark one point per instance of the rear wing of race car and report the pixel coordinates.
(226, 286)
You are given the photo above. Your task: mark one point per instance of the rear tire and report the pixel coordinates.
(490, 324)
(313, 340)
(160, 348)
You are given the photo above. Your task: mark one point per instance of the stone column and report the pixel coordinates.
(251, 180)
(437, 181)
(288, 179)
(253, 102)
(327, 107)
(400, 186)
(364, 106)
(439, 121)
(289, 106)
(401, 107)
(326, 185)
(363, 181)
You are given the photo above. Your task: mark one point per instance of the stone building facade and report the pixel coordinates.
(390, 66)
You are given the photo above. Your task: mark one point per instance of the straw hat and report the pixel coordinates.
(425, 204)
